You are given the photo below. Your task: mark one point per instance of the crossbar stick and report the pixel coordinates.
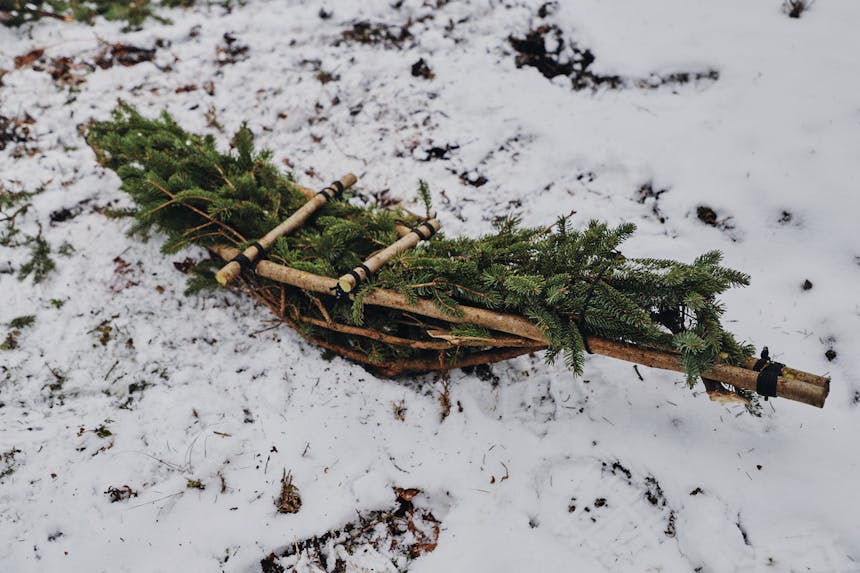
(251, 255)
(360, 274)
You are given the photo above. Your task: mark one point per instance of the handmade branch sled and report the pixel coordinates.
(762, 376)
(377, 284)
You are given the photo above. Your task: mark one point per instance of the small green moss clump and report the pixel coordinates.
(23, 321)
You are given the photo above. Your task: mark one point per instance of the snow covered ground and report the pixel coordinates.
(123, 381)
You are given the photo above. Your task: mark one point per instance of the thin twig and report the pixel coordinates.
(199, 212)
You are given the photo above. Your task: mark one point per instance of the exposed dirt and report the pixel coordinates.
(484, 372)
(439, 152)
(401, 534)
(15, 129)
(796, 8)
(71, 71)
(652, 491)
(706, 215)
(421, 69)
(123, 55)
(363, 32)
(710, 217)
(647, 194)
(473, 179)
(546, 49)
(231, 50)
(120, 493)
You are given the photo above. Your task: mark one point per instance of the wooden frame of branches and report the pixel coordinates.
(381, 286)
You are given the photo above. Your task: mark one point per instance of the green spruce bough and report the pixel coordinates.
(18, 12)
(544, 274)
(14, 204)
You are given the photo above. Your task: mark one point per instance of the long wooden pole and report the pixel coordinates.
(799, 388)
(233, 268)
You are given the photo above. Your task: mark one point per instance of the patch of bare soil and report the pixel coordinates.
(545, 47)
(71, 71)
(397, 535)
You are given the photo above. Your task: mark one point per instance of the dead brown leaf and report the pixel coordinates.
(28, 58)
(406, 494)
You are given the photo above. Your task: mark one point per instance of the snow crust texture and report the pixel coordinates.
(142, 430)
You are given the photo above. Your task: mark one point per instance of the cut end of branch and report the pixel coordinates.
(346, 283)
(348, 180)
(229, 272)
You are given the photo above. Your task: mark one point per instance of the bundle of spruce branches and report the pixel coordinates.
(569, 282)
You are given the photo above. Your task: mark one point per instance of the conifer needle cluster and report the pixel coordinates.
(568, 281)
(18, 12)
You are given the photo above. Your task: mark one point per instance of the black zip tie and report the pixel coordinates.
(428, 226)
(332, 191)
(261, 252)
(356, 276)
(248, 264)
(338, 292)
(243, 261)
(768, 375)
(341, 294)
(580, 322)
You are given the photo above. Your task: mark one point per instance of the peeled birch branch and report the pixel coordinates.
(233, 268)
(401, 230)
(348, 282)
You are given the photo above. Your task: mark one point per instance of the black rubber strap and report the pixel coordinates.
(243, 261)
(332, 191)
(248, 264)
(580, 322)
(765, 384)
(261, 252)
(430, 230)
(338, 292)
(357, 277)
(768, 375)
